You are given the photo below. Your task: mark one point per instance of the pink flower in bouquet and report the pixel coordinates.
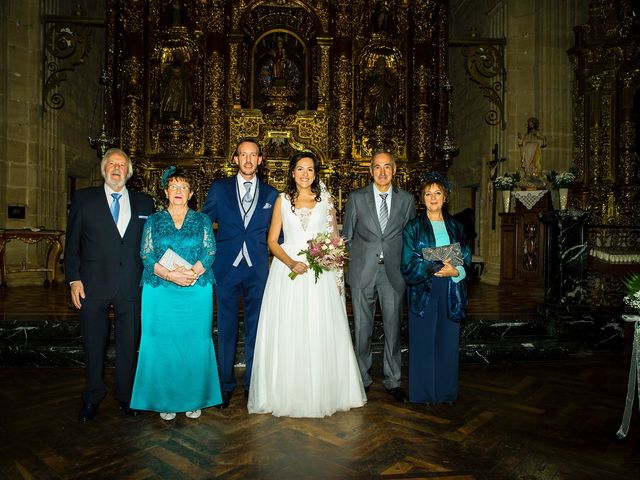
(324, 253)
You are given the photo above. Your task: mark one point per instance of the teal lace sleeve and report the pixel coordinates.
(208, 243)
(147, 252)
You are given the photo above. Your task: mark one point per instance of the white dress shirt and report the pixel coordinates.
(125, 207)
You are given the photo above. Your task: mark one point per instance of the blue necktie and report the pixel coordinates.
(115, 206)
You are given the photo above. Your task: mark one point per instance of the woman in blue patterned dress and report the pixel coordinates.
(177, 370)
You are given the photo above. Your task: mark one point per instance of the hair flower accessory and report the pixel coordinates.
(437, 177)
(166, 174)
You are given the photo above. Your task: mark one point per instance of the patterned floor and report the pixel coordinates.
(513, 421)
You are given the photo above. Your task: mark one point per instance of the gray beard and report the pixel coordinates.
(117, 186)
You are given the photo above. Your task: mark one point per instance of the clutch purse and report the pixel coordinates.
(170, 260)
(452, 251)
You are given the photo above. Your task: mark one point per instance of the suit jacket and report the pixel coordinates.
(222, 206)
(366, 240)
(96, 253)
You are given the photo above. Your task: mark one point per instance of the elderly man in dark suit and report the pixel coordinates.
(103, 266)
(374, 218)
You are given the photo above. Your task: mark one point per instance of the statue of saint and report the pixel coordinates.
(380, 89)
(176, 96)
(280, 61)
(531, 145)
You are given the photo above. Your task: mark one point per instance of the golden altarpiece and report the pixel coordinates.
(606, 95)
(342, 78)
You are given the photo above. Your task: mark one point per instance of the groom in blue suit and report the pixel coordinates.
(242, 205)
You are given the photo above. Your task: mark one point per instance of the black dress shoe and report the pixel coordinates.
(124, 406)
(226, 398)
(397, 394)
(246, 393)
(367, 388)
(88, 411)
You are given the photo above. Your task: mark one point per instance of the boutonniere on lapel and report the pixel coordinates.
(267, 206)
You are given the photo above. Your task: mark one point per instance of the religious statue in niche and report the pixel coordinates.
(381, 91)
(176, 92)
(531, 145)
(278, 68)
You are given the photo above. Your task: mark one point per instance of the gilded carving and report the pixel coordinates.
(194, 96)
(423, 13)
(214, 113)
(323, 76)
(343, 94)
(321, 9)
(343, 18)
(132, 111)
(210, 15)
(133, 16)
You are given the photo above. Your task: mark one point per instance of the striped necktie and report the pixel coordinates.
(247, 198)
(384, 211)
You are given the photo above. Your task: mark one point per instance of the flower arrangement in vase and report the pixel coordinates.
(633, 292)
(506, 181)
(563, 179)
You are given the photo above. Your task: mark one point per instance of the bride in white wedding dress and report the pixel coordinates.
(303, 364)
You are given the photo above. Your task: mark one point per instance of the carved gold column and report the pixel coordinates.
(606, 58)
(211, 14)
(132, 78)
(629, 164)
(343, 82)
(422, 132)
(323, 76)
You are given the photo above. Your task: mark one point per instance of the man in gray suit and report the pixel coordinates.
(373, 223)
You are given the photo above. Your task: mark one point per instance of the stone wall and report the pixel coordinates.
(538, 84)
(38, 143)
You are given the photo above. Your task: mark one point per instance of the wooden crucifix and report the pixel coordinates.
(493, 173)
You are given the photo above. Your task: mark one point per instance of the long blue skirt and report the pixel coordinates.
(433, 349)
(177, 370)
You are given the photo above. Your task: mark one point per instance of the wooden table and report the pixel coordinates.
(53, 239)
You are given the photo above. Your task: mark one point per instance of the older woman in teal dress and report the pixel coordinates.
(437, 297)
(177, 370)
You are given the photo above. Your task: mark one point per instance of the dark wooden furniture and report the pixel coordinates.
(54, 241)
(522, 237)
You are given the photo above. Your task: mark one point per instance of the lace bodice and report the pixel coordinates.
(194, 241)
(305, 223)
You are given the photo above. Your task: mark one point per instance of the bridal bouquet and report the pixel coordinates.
(324, 253)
